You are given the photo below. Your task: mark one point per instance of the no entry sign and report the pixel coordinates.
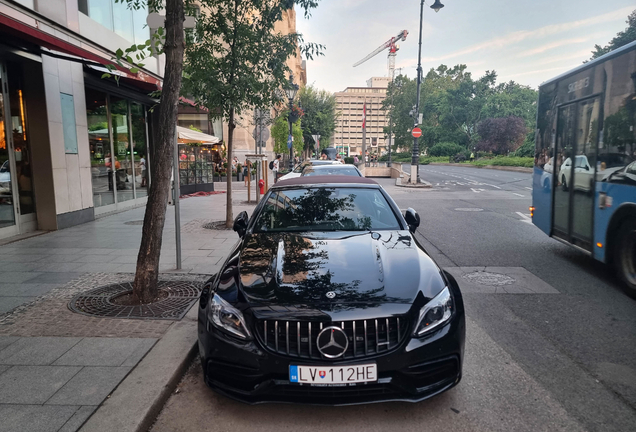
(416, 132)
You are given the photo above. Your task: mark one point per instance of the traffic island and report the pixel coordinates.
(406, 182)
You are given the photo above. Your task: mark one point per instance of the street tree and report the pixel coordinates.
(501, 135)
(170, 41)
(239, 61)
(399, 100)
(280, 133)
(622, 38)
(320, 115)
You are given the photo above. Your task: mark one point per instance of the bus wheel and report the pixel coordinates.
(625, 256)
(564, 184)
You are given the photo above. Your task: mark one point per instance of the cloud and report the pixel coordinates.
(520, 36)
(540, 71)
(552, 45)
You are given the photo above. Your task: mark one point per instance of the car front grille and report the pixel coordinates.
(366, 337)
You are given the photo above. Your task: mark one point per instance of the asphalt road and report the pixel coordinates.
(563, 359)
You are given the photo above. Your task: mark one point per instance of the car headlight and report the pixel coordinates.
(435, 313)
(226, 317)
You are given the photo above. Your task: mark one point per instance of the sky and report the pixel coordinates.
(527, 41)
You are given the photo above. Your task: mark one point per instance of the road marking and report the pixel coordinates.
(525, 218)
(528, 188)
(518, 194)
(496, 187)
(477, 190)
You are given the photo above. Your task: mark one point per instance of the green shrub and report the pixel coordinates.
(516, 161)
(348, 160)
(446, 149)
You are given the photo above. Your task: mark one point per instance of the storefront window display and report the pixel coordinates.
(196, 167)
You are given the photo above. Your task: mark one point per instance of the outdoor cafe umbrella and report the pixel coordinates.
(189, 136)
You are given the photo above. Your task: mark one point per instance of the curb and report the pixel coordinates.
(494, 167)
(139, 398)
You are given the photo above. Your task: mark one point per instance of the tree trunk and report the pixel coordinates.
(147, 272)
(229, 219)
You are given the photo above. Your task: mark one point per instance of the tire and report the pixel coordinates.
(625, 256)
(564, 184)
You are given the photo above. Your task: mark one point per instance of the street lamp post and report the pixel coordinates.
(291, 91)
(415, 156)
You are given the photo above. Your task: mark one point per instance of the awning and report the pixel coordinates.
(189, 136)
(35, 35)
(186, 136)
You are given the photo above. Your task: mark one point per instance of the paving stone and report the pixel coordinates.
(56, 278)
(36, 350)
(3, 368)
(6, 341)
(101, 352)
(18, 277)
(35, 418)
(99, 268)
(22, 258)
(62, 258)
(90, 386)
(142, 349)
(95, 259)
(9, 303)
(78, 418)
(20, 266)
(60, 267)
(33, 384)
(25, 289)
(99, 251)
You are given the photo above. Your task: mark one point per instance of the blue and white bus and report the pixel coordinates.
(584, 181)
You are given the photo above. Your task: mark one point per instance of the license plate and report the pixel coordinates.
(333, 374)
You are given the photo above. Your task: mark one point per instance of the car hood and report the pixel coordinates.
(370, 268)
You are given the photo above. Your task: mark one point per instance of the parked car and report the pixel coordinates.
(335, 169)
(297, 172)
(329, 298)
(584, 170)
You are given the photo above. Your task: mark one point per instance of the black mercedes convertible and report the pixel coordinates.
(328, 298)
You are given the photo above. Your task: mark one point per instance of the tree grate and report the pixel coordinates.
(181, 295)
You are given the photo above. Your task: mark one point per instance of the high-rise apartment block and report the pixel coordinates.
(350, 104)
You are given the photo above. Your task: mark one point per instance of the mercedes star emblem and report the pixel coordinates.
(332, 342)
(331, 295)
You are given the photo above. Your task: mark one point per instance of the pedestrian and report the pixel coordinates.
(355, 159)
(245, 172)
(144, 172)
(276, 166)
(472, 156)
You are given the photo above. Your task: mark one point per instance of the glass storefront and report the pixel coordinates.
(124, 174)
(7, 214)
(140, 146)
(99, 142)
(119, 148)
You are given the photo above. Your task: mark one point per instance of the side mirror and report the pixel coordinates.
(240, 223)
(412, 219)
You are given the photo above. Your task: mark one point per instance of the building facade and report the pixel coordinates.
(73, 145)
(350, 104)
(244, 141)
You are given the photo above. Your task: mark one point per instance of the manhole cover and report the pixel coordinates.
(490, 279)
(180, 295)
(137, 222)
(469, 209)
(216, 225)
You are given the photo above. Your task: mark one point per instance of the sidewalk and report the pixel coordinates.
(57, 367)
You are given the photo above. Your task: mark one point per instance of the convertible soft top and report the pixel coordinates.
(326, 179)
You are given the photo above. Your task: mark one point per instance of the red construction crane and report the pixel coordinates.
(392, 46)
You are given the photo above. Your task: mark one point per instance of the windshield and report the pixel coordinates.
(326, 209)
(331, 170)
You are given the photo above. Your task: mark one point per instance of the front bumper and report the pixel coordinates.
(416, 370)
